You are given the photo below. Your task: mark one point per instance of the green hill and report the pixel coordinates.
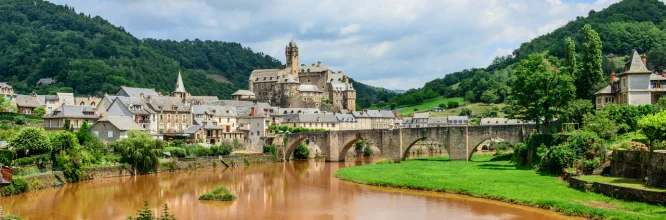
(622, 27)
(89, 55)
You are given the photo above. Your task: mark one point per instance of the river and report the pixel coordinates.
(291, 190)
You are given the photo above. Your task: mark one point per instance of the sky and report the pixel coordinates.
(395, 44)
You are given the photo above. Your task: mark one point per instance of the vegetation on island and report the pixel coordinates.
(220, 193)
(487, 177)
(146, 213)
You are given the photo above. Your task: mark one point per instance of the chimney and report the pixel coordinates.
(136, 118)
(252, 112)
(644, 58)
(612, 77)
(101, 116)
(318, 63)
(365, 110)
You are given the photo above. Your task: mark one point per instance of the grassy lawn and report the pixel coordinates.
(619, 181)
(499, 180)
(427, 105)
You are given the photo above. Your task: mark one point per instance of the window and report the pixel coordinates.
(658, 84)
(51, 101)
(110, 134)
(50, 110)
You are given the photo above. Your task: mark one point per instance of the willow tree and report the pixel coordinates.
(540, 90)
(139, 150)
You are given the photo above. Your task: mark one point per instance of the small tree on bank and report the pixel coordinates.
(301, 152)
(654, 127)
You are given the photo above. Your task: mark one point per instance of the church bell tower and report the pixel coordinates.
(291, 53)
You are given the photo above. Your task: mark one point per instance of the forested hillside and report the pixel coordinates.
(622, 27)
(88, 55)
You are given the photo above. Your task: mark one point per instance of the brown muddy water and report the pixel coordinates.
(291, 190)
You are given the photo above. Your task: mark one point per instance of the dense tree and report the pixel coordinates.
(489, 97)
(540, 90)
(570, 56)
(39, 111)
(654, 127)
(576, 110)
(6, 105)
(590, 73)
(30, 141)
(83, 134)
(600, 123)
(139, 150)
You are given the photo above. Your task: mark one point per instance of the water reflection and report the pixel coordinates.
(293, 190)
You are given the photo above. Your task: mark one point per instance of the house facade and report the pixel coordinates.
(76, 115)
(113, 128)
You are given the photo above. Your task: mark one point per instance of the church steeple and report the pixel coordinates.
(180, 88)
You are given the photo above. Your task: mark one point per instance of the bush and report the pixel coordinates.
(367, 151)
(465, 112)
(526, 154)
(301, 152)
(587, 166)
(17, 186)
(452, 104)
(584, 143)
(442, 105)
(71, 162)
(221, 150)
(220, 193)
(358, 146)
(21, 120)
(520, 152)
(36, 159)
(176, 151)
(601, 124)
(556, 158)
(30, 141)
(7, 157)
(270, 149)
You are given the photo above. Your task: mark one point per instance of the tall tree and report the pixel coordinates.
(540, 90)
(570, 55)
(590, 72)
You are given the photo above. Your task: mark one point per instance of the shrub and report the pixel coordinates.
(72, 164)
(140, 150)
(20, 120)
(367, 151)
(31, 140)
(637, 146)
(270, 149)
(176, 151)
(587, 166)
(556, 158)
(7, 157)
(601, 124)
(359, 145)
(96, 147)
(221, 150)
(465, 112)
(36, 159)
(301, 152)
(520, 152)
(385, 161)
(17, 186)
(452, 104)
(220, 193)
(584, 143)
(442, 105)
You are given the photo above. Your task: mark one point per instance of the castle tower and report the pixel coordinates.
(180, 88)
(291, 53)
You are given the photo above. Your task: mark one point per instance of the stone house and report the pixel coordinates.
(112, 128)
(26, 103)
(302, 86)
(91, 101)
(277, 113)
(225, 117)
(457, 120)
(254, 122)
(54, 101)
(363, 120)
(173, 114)
(636, 85)
(441, 121)
(76, 115)
(419, 120)
(210, 132)
(6, 90)
(326, 121)
(134, 108)
(243, 95)
(346, 121)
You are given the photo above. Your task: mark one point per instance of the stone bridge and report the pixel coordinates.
(459, 141)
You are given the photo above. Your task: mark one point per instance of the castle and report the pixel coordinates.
(302, 86)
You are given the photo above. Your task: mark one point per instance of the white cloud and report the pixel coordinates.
(395, 44)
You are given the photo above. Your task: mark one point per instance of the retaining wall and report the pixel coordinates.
(640, 165)
(619, 192)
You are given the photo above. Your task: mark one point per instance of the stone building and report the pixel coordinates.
(302, 86)
(636, 85)
(6, 90)
(91, 101)
(26, 103)
(326, 121)
(76, 115)
(112, 128)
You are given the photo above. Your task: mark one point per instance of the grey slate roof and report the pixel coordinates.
(180, 87)
(45, 81)
(215, 110)
(193, 129)
(308, 88)
(26, 101)
(123, 123)
(203, 98)
(501, 121)
(208, 124)
(307, 118)
(131, 104)
(41, 99)
(4, 85)
(136, 92)
(605, 90)
(165, 103)
(421, 115)
(288, 79)
(457, 117)
(243, 92)
(345, 117)
(73, 111)
(286, 111)
(637, 65)
(234, 103)
(656, 77)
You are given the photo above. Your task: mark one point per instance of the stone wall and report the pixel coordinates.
(619, 192)
(640, 165)
(55, 178)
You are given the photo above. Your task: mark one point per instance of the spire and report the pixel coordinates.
(180, 87)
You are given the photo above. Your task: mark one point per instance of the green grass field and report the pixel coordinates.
(499, 180)
(477, 108)
(427, 105)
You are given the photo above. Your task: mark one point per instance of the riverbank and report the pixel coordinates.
(37, 181)
(484, 177)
